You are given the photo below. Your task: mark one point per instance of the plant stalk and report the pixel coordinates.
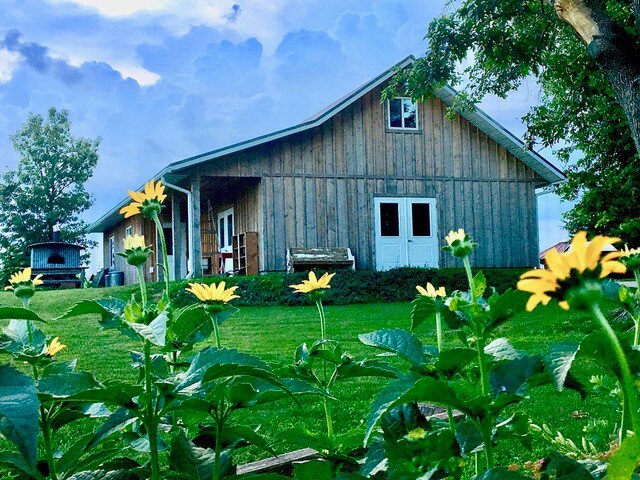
(151, 421)
(323, 333)
(218, 446)
(163, 247)
(484, 377)
(630, 401)
(216, 331)
(452, 422)
(25, 304)
(636, 318)
(143, 286)
(46, 437)
(472, 284)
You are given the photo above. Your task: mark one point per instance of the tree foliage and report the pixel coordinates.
(46, 188)
(493, 47)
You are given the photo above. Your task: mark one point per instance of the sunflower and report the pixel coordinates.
(459, 244)
(135, 250)
(212, 293)
(572, 277)
(313, 283)
(22, 284)
(430, 291)
(147, 202)
(54, 347)
(630, 258)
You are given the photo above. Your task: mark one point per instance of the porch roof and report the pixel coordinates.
(174, 171)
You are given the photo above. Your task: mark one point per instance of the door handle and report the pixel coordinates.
(410, 241)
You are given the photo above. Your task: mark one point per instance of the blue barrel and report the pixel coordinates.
(115, 279)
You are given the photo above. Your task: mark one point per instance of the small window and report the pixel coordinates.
(55, 259)
(421, 219)
(389, 220)
(403, 113)
(127, 232)
(168, 238)
(221, 233)
(229, 229)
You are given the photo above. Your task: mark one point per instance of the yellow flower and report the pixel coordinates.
(453, 236)
(571, 270)
(313, 283)
(23, 277)
(631, 258)
(146, 201)
(54, 347)
(212, 293)
(133, 241)
(431, 292)
(627, 252)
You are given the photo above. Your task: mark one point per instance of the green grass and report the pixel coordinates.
(275, 332)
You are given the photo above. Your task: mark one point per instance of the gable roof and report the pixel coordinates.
(480, 119)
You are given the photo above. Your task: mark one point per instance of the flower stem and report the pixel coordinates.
(484, 377)
(452, 422)
(472, 285)
(143, 287)
(46, 437)
(636, 318)
(150, 420)
(216, 331)
(25, 304)
(323, 333)
(163, 247)
(218, 446)
(626, 381)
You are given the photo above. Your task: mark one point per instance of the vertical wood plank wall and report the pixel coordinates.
(139, 226)
(317, 187)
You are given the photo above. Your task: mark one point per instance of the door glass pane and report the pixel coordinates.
(221, 233)
(421, 219)
(395, 113)
(389, 220)
(229, 229)
(409, 113)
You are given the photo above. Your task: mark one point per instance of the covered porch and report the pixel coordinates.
(214, 224)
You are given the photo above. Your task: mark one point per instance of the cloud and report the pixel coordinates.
(8, 62)
(38, 58)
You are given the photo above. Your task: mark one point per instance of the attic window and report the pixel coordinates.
(402, 114)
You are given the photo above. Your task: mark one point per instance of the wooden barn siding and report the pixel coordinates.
(139, 226)
(318, 186)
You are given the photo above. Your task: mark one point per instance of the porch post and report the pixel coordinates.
(179, 240)
(196, 230)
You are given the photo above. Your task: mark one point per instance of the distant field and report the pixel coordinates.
(275, 332)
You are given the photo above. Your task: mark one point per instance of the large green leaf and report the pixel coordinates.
(425, 309)
(469, 437)
(108, 475)
(453, 360)
(19, 412)
(190, 461)
(625, 460)
(117, 421)
(513, 376)
(412, 389)
(400, 342)
(366, 368)
(155, 332)
(64, 384)
(559, 360)
(109, 309)
(19, 313)
(191, 324)
(505, 306)
(306, 438)
(15, 339)
(249, 435)
(500, 349)
(313, 470)
(501, 473)
(17, 462)
(561, 467)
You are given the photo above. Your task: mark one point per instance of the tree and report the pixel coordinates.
(46, 189)
(585, 56)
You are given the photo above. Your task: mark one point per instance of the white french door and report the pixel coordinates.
(226, 231)
(406, 232)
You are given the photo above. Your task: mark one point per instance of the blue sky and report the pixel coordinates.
(160, 80)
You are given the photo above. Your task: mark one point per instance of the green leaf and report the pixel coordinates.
(19, 412)
(190, 461)
(306, 438)
(625, 460)
(559, 360)
(16, 462)
(249, 435)
(19, 313)
(500, 349)
(108, 475)
(313, 470)
(191, 324)
(400, 342)
(479, 284)
(155, 332)
(453, 360)
(15, 339)
(512, 376)
(505, 306)
(562, 467)
(65, 384)
(109, 309)
(117, 421)
(516, 426)
(366, 368)
(412, 389)
(469, 437)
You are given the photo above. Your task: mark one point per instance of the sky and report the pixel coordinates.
(162, 80)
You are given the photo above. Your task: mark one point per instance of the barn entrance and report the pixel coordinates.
(406, 232)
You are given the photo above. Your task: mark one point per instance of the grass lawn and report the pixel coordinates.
(275, 332)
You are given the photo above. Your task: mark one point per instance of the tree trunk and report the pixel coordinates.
(615, 52)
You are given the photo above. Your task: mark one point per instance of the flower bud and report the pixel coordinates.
(459, 244)
(136, 252)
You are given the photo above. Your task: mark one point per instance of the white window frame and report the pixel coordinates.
(127, 231)
(403, 128)
(112, 252)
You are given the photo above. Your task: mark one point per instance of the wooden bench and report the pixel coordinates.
(326, 258)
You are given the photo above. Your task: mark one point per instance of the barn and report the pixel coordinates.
(387, 180)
